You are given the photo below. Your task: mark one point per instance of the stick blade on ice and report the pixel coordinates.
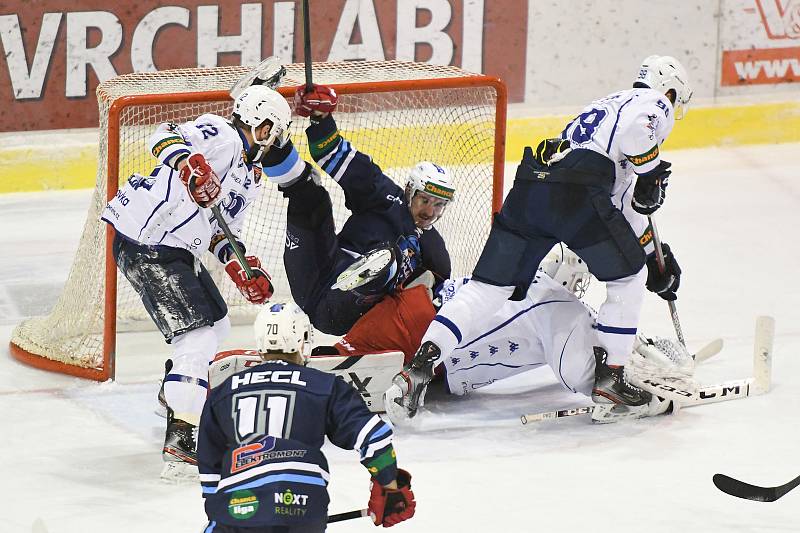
(740, 489)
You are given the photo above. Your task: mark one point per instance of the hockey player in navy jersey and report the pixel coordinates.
(163, 229)
(591, 189)
(260, 437)
(389, 239)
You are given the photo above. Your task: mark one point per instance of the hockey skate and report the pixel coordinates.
(407, 393)
(614, 396)
(180, 450)
(379, 262)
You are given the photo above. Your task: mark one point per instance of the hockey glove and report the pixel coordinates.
(548, 149)
(388, 507)
(649, 192)
(257, 290)
(200, 180)
(319, 100)
(664, 284)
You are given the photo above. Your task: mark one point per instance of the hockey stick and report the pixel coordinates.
(307, 44)
(729, 390)
(722, 392)
(673, 310)
(708, 351)
(348, 515)
(740, 489)
(232, 241)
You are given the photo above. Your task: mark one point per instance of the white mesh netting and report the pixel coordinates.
(452, 126)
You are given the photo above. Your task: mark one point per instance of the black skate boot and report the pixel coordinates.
(615, 397)
(180, 450)
(180, 443)
(409, 386)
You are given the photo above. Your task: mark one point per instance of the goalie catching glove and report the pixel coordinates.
(257, 289)
(200, 180)
(317, 101)
(388, 506)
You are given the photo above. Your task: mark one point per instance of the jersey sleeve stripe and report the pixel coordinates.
(371, 424)
(376, 447)
(343, 167)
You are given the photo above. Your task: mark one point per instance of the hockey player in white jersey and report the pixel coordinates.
(592, 189)
(163, 228)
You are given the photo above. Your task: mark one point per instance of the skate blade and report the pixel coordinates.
(362, 271)
(613, 412)
(178, 472)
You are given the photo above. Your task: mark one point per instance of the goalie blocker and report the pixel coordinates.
(369, 374)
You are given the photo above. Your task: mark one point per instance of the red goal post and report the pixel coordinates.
(396, 112)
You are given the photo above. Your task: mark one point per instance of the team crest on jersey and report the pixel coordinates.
(257, 174)
(233, 204)
(642, 159)
(652, 125)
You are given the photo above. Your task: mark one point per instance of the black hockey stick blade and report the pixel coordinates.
(740, 489)
(347, 516)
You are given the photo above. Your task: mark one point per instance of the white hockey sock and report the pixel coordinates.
(186, 385)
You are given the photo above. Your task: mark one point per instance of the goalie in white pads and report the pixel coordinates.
(262, 430)
(550, 326)
(163, 230)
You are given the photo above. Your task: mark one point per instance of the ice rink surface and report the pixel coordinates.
(79, 456)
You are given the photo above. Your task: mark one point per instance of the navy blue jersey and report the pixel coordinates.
(260, 439)
(379, 210)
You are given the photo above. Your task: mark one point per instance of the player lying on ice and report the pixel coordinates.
(262, 429)
(549, 326)
(387, 241)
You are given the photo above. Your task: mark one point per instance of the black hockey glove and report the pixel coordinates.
(664, 284)
(550, 147)
(649, 192)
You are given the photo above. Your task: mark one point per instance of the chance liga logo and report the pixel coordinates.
(243, 504)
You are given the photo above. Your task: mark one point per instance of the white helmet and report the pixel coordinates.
(283, 328)
(663, 73)
(258, 103)
(431, 179)
(567, 269)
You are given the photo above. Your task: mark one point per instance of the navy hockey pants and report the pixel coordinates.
(312, 259)
(178, 296)
(543, 209)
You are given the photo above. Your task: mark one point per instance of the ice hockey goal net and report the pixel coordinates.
(398, 113)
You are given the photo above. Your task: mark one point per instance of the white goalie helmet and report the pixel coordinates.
(663, 73)
(258, 103)
(567, 269)
(283, 328)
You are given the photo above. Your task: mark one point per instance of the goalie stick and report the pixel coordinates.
(740, 489)
(729, 390)
(722, 392)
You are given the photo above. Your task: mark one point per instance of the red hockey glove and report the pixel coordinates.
(317, 101)
(388, 507)
(201, 181)
(257, 290)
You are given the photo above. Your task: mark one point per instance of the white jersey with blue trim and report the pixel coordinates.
(158, 210)
(550, 326)
(628, 127)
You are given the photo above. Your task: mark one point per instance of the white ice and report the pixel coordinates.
(78, 456)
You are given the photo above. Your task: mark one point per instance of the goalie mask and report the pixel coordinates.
(664, 73)
(283, 328)
(436, 184)
(259, 103)
(567, 269)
